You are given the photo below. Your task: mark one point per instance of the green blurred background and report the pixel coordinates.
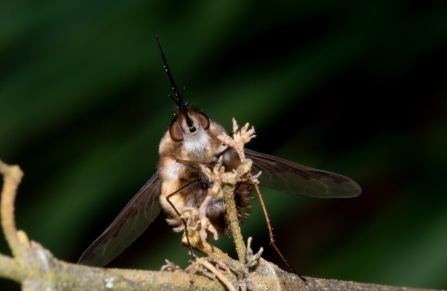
(353, 87)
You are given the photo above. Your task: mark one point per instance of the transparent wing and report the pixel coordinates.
(133, 220)
(289, 177)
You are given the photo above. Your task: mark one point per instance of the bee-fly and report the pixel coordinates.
(180, 185)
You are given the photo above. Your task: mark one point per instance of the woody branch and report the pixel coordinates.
(35, 268)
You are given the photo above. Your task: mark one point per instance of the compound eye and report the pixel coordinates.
(175, 132)
(203, 120)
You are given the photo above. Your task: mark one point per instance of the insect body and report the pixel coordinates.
(180, 186)
(182, 154)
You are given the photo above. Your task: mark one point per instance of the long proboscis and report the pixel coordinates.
(178, 99)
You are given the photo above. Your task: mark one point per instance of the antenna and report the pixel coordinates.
(178, 99)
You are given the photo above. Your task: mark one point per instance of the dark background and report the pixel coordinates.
(353, 87)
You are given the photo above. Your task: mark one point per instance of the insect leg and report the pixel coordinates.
(180, 216)
(272, 241)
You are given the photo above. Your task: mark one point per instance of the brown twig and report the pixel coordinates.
(12, 175)
(234, 222)
(218, 274)
(240, 138)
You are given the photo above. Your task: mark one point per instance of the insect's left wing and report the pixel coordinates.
(133, 220)
(290, 177)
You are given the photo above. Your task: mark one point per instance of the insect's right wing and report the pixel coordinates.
(133, 220)
(290, 177)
